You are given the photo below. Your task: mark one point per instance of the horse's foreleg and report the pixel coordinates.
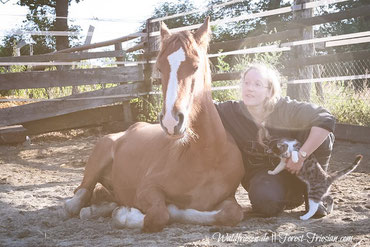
(95, 211)
(192, 216)
(231, 213)
(227, 213)
(127, 217)
(73, 206)
(102, 204)
(152, 202)
(100, 159)
(152, 216)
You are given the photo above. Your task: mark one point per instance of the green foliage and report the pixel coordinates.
(11, 69)
(38, 19)
(223, 95)
(147, 108)
(270, 58)
(347, 104)
(222, 66)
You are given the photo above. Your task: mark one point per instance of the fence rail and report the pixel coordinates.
(135, 79)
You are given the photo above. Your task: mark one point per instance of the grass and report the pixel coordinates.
(347, 104)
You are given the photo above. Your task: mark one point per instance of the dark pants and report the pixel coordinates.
(271, 194)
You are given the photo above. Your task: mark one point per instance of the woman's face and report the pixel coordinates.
(255, 88)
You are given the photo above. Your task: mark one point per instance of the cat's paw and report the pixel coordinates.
(271, 172)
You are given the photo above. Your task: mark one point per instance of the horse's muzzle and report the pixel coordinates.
(173, 125)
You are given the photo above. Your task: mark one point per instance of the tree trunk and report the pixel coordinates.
(61, 24)
(272, 22)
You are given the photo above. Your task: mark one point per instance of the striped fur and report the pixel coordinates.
(318, 181)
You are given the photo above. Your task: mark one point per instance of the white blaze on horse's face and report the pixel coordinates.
(173, 121)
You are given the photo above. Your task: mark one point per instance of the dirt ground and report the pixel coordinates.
(36, 177)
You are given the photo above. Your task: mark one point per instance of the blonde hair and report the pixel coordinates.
(272, 77)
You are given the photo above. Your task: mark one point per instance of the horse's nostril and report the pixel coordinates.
(180, 116)
(179, 127)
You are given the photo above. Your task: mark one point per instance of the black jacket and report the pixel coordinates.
(289, 118)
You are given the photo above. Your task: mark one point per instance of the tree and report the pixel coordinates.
(40, 18)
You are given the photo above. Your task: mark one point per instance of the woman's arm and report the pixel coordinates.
(302, 116)
(316, 137)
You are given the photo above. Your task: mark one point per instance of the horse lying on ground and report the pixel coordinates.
(185, 169)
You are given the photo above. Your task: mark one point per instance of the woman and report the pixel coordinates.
(263, 114)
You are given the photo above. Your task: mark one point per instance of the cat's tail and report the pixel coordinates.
(347, 170)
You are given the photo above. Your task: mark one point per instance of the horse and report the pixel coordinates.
(184, 169)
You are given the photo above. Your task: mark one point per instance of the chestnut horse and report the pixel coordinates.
(185, 169)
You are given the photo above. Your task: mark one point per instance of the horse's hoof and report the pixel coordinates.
(70, 207)
(86, 213)
(119, 217)
(127, 217)
(63, 214)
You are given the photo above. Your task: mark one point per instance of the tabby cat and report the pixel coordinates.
(312, 174)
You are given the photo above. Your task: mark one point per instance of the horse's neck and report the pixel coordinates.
(208, 126)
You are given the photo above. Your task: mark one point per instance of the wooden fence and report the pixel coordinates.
(135, 79)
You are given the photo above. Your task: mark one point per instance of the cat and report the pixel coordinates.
(318, 181)
(284, 148)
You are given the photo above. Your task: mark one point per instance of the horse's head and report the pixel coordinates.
(184, 68)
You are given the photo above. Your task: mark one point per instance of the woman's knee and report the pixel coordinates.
(324, 151)
(266, 193)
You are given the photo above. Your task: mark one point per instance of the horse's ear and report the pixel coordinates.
(165, 32)
(202, 34)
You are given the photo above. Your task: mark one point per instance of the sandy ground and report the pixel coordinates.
(36, 178)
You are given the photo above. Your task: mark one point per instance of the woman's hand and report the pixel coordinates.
(292, 167)
(316, 137)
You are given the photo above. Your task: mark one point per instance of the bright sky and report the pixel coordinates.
(127, 15)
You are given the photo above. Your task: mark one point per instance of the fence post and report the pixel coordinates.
(89, 35)
(127, 113)
(88, 39)
(150, 45)
(118, 47)
(302, 91)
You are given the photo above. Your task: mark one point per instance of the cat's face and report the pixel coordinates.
(284, 147)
